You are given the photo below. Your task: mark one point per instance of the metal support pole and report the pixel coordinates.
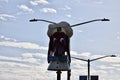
(88, 69)
(68, 74)
(58, 75)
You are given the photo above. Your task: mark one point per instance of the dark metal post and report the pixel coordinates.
(58, 75)
(68, 74)
(88, 69)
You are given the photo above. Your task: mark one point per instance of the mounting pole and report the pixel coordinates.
(58, 75)
(68, 74)
(89, 78)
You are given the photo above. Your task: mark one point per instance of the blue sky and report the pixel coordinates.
(24, 45)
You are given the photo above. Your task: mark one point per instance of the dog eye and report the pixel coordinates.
(61, 39)
(54, 39)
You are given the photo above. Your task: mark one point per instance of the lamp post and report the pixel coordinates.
(88, 61)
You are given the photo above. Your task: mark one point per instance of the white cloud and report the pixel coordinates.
(111, 59)
(85, 54)
(27, 55)
(74, 53)
(3, 38)
(18, 60)
(118, 35)
(98, 1)
(34, 57)
(9, 58)
(24, 67)
(3, 0)
(66, 7)
(30, 60)
(25, 8)
(20, 68)
(48, 10)
(40, 55)
(80, 31)
(25, 45)
(69, 16)
(5, 17)
(29, 64)
(96, 56)
(116, 65)
(106, 67)
(25, 58)
(36, 2)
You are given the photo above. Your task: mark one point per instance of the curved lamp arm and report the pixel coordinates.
(103, 57)
(104, 19)
(79, 59)
(34, 20)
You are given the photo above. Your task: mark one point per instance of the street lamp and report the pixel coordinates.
(104, 19)
(88, 61)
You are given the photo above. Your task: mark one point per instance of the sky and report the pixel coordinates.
(24, 44)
